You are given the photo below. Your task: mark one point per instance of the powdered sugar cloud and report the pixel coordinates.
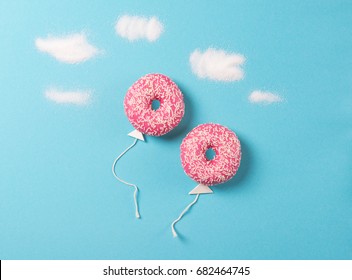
(73, 48)
(217, 65)
(136, 28)
(81, 98)
(264, 97)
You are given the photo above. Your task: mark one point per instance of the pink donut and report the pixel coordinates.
(138, 104)
(227, 150)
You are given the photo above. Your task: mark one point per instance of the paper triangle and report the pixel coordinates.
(136, 134)
(201, 189)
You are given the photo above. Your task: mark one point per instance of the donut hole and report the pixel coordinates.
(210, 154)
(155, 104)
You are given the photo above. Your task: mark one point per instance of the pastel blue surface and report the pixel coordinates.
(292, 196)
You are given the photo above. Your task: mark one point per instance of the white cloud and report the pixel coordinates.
(266, 97)
(135, 28)
(217, 65)
(81, 98)
(72, 48)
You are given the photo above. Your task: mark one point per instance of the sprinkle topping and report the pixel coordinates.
(227, 150)
(138, 104)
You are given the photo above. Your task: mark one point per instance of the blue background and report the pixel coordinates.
(292, 196)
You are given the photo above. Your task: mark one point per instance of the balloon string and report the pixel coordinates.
(124, 182)
(181, 215)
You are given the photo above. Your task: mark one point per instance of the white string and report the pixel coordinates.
(181, 215)
(124, 182)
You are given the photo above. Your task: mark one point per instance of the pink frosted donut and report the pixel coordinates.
(227, 150)
(138, 104)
